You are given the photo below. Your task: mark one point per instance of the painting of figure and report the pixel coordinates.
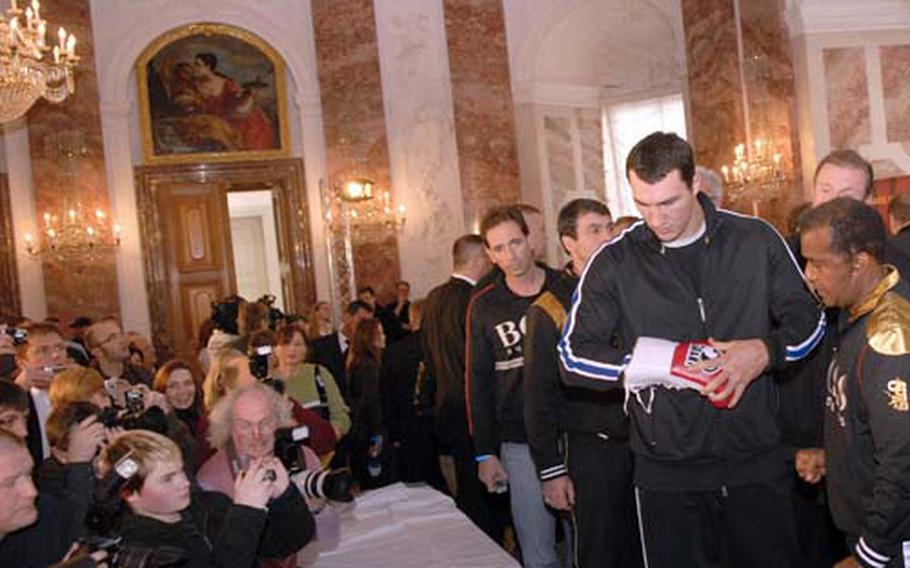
(211, 92)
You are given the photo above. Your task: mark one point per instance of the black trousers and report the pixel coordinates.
(490, 512)
(606, 527)
(735, 527)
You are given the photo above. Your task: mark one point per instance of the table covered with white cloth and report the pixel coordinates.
(401, 526)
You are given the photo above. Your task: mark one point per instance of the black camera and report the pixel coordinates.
(119, 556)
(225, 312)
(18, 334)
(259, 361)
(334, 485)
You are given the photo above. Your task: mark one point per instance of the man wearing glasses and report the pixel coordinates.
(109, 348)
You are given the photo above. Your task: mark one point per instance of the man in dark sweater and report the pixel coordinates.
(579, 439)
(710, 475)
(495, 368)
(443, 333)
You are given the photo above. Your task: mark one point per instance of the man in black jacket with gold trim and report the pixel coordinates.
(579, 439)
(867, 416)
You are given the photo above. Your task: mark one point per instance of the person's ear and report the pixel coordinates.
(566, 241)
(861, 262)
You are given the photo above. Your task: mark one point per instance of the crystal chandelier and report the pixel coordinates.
(75, 234)
(29, 67)
(754, 178)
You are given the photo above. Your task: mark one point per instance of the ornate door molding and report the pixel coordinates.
(172, 315)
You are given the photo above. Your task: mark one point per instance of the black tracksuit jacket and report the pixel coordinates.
(867, 425)
(495, 363)
(750, 288)
(552, 408)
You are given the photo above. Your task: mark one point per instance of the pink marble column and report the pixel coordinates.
(73, 289)
(717, 96)
(355, 131)
(715, 99)
(481, 92)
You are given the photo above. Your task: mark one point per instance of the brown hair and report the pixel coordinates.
(899, 208)
(63, 418)
(850, 159)
(159, 383)
(77, 384)
(222, 376)
(312, 325)
(363, 345)
(499, 215)
(35, 330)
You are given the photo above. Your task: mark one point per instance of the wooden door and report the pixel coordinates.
(198, 257)
(186, 241)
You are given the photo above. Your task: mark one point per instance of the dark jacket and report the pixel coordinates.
(443, 330)
(327, 352)
(60, 523)
(551, 408)
(214, 532)
(495, 364)
(401, 363)
(363, 398)
(897, 252)
(867, 424)
(750, 288)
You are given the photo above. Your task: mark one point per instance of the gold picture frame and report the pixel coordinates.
(211, 93)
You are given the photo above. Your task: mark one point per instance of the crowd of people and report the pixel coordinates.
(690, 389)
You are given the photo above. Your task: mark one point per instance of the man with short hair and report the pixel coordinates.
(42, 535)
(443, 327)
(842, 173)
(110, 348)
(13, 409)
(897, 249)
(42, 356)
(331, 350)
(867, 416)
(711, 482)
(579, 439)
(495, 369)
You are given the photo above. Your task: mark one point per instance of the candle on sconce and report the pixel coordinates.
(740, 151)
(47, 219)
(726, 172)
(401, 209)
(759, 146)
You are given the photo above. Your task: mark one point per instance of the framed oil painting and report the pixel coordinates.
(211, 92)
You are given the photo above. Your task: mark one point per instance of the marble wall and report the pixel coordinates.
(482, 97)
(847, 93)
(421, 133)
(347, 58)
(737, 99)
(73, 288)
(860, 81)
(716, 112)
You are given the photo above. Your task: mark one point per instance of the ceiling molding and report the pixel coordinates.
(832, 16)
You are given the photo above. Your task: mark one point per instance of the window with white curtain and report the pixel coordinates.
(624, 124)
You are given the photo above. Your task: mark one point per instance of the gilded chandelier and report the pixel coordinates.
(29, 67)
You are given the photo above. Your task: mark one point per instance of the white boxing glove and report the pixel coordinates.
(661, 362)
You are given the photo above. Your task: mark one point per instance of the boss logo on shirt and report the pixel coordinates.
(897, 393)
(510, 334)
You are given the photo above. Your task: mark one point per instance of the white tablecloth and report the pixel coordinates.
(401, 526)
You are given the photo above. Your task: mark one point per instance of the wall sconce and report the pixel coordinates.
(356, 190)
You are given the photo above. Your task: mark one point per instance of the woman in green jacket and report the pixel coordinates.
(312, 385)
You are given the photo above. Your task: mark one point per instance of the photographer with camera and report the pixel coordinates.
(254, 423)
(110, 348)
(39, 536)
(75, 432)
(266, 518)
(41, 355)
(233, 370)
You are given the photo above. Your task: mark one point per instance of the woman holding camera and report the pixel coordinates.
(267, 518)
(310, 384)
